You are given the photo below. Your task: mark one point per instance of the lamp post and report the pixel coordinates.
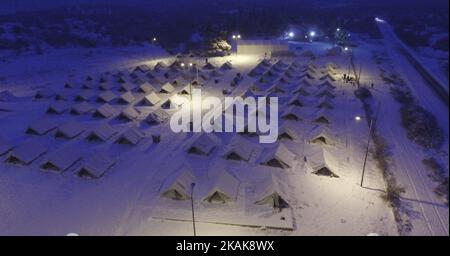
(236, 38)
(192, 206)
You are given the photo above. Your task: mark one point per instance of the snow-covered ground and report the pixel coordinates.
(127, 200)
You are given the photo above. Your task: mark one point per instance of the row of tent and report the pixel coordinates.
(93, 166)
(71, 130)
(225, 189)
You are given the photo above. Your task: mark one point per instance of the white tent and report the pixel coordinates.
(105, 111)
(157, 117)
(106, 86)
(44, 94)
(302, 90)
(209, 66)
(81, 108)
(101, 133)
(239, 149)
(151, 99)
(106, 96)
(292, 113)
(70, 130)
(167, 88)
(327, 77)
(321, 162)
(203, 145)
(132, 136)
(325, 103)
(58, 107)
(126, 98)
(84, 95)
(276, 88)
(62, 95)
(143, 68)
(322, 117)
(297, 100)
(126, 87)
(178, 186)
(287, 133)
(146, 88)
(62, 160)
(322, 135)
(325, 92)
(186, 90)
(128, 114)
(226, 66)
(224, 189)
(160, 66)
(26, 153)
(280, 157)
(95, 166)
(274, 193)
(173, 102)
(41, 127)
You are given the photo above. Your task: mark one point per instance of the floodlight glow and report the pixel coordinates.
(346, 49)
(357, 118)
(291, 34)
(182, 64)
(238, 36)
(338, 29)
(379, 20)
(312, 33)
(234, 36)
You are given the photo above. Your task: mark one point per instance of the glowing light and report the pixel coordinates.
(182, 64)
(312, 33)
(357, 118)
(346, 49)
(239, 36)
(338, 29)
(154, 39)
(234, 36)
(291, 34)
(190, 64)
(379, 20)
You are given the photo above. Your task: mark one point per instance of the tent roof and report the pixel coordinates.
(241, 147)
(146, 88)
(58, 107)
(181, 182)
(5, 146)
(271, 187)
(127, 97)
(70, 129)
(81, 108)
(321, 131)
(42, 126)
(105, 110)
(63, 159)
(157, 116)
(151, 99)
(132, 136)
(97, 165)
(27, 152)
(318, 158)
(104, 131)
(225, 184)
(282, 154)
(205, 143)
(167, 87)
(107, 96)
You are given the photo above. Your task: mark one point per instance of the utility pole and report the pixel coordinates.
(371, 129)
(192, 207)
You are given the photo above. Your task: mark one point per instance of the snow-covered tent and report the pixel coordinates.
(217, 73)
(58, 107)
(248, 94)
(322, 117)
(7, 96)
(297, 100)
(44, 94)
(95, 166)
(322, 135)
(239, 149)
(328, 77)
(302, 90)
(325, 92)
(61, 95)
(126, 98)
(123, 80)
(224, 189)
(226, 66)
(322, 162)
(160, 66)
(84, 95)
(325, 103)
(131, 136)
(203, 145)
(68, 85)
(276, 88)
(306, 82)
(41, 127)
(61, 160)
(205, 76)
(167, 88)
(178, 186)
(292, 113)
(274, 193)
(126, 87)
(26, 153)
(279, 157)
(5, 146)
(104, 111)
(128, 114)
(87, 85)
(105, 86)
(285, 132)
(81, 108)
(70, 130)
(106, 97)
(150, 99)
(146, 88)
(265, 63)
(209, 66)
(173, 102)
(143, 68)
(157, 117)
(103, 132)
(186, 90)
(257, 71)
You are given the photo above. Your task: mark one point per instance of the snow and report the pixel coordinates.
(123, 196)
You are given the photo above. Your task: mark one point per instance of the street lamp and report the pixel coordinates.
(192, 206)
(154, 39)
(312, 34)
(371, 126)
(291, 34)
(236, 38)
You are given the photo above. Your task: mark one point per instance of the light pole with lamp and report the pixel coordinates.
(236, 38)
(371, 129)
(192, 207)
